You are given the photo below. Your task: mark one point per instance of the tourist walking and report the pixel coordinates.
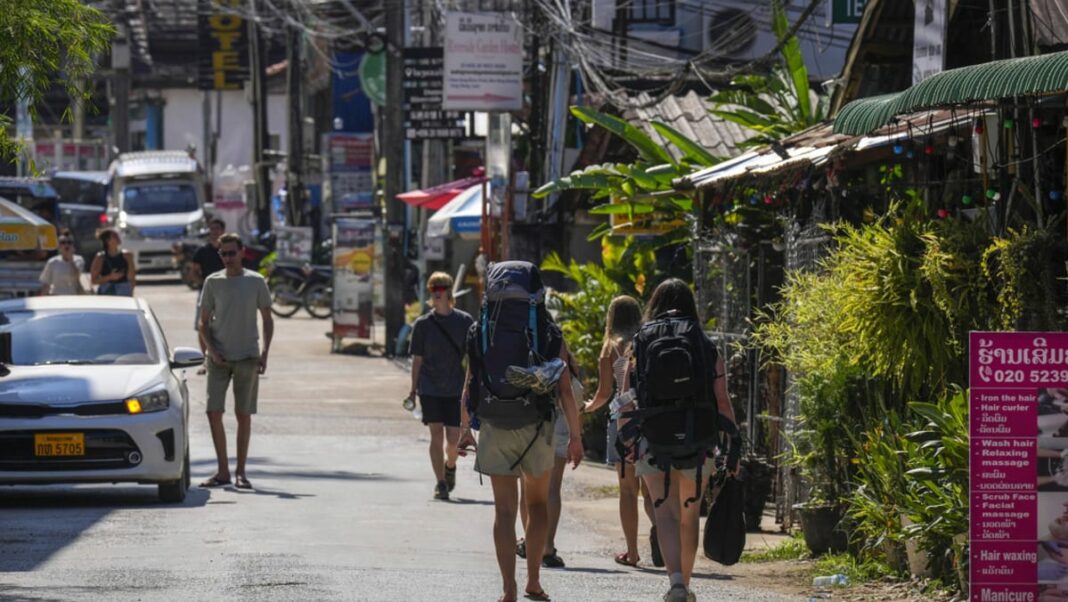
(621, 324)
(681, 396)
(62, 274)
(228, 331)
(113, 271)
(438, 377)
(516, 372)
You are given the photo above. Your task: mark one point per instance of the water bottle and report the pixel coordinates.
(410, 405)
(830, 581)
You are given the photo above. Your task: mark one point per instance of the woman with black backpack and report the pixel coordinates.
(681, 397)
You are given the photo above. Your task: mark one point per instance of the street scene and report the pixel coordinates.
(534, 300)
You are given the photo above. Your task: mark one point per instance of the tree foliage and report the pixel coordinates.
(777, 104)
(45, 42)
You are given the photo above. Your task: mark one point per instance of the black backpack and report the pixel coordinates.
(513, 329)
(677, 415)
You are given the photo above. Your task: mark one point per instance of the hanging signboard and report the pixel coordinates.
(424, 117)
(847, 11)
(223, 35)
(483, 62)
(1019, 465)
(354, 260)
(928, 42)
(294, 244)
(348, 159)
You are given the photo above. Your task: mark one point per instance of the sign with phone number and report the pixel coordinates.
(1019, 466)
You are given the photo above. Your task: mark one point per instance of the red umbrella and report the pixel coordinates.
(436, 197)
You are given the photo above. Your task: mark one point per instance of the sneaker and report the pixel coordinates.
(690, 596)
(552, 561)
(441, 492)
(677, 593)
(450, 477)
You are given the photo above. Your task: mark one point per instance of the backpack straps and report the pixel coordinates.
(532, 323)
(485, 334)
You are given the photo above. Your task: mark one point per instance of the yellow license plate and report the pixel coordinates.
(58, 444)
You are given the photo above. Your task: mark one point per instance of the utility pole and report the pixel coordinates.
(295, 156)
(392, 146)
(258, 79)
(120, 89)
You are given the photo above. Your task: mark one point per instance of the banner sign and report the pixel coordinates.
(847, 11)
(483, 62)
(354, 260)
(294, 244)
(223, 45)
(348, 159)
(423, 116)
(928, 41)
(1019, 465)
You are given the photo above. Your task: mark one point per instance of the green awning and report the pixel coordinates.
(1044, 74)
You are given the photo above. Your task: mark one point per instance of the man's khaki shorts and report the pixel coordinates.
(245, 375)
(499, 449)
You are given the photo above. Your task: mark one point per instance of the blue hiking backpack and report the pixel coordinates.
(513, 329)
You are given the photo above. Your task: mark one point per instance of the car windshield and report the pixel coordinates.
(78, 337)
(155, 199)
(83, 191)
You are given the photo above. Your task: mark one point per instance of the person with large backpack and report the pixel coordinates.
(516, 369)
(676, 428)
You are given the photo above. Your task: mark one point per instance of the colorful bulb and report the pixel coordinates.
(943, 214)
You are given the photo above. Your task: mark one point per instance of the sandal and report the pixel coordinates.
(213, 482)
(621, 558)
(552, 561)
(242, 483)
(540, 596)
(521, 548)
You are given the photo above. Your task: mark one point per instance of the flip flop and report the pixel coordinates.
(214, 482)
(242, 483)
(539, 596)
(622, 559)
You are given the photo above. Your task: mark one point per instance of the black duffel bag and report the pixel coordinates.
(724, 537)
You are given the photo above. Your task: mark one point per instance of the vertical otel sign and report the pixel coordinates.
(1019, 466)
(223, 45)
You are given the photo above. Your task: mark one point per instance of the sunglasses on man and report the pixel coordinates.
(225, 254)
(66, 241)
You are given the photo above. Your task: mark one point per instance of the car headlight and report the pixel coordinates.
(155, 400)
(196, 228)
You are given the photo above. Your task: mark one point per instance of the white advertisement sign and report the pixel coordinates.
(483, 62)
(928, 46)
(294, 244)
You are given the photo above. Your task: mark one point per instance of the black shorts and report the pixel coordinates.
(445, 410)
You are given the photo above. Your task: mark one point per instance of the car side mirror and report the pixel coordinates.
(186, 357)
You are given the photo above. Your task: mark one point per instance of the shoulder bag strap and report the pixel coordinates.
(448, 338)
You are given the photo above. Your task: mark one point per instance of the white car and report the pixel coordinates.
(89, 394)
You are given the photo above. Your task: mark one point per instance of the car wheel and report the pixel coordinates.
(173, 492)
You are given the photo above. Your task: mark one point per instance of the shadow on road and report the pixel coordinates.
(37, 522)
(338, 475)
(466, 502)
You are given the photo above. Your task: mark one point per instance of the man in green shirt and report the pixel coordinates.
(229, 333)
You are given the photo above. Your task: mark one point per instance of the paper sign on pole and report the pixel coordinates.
(929, 35)
(1019, 464)
(483, 62)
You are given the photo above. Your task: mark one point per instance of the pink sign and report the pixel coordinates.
(1019, 466)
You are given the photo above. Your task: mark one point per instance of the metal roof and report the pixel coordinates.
(690, 115)
(1027, 76)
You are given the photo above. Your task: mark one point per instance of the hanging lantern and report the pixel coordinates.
(943, 214)
(1036, 123)
(1009, 123)
(898, 149)
(1056, 195)
(966, 199)
(928, 149)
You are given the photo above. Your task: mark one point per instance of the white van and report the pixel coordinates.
(156, 199)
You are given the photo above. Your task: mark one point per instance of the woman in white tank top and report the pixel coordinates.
(621, 324)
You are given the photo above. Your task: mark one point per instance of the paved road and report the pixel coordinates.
(342, 511)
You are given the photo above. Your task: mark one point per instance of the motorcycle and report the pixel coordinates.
(183, 252)
(307, 286)
(255, 251)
